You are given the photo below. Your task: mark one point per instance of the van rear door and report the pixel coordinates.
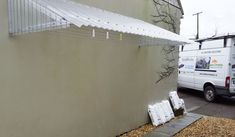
(187, 65)
(232, 74)
(186, 69)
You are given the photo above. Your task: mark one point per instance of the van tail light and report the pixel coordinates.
(227, 82)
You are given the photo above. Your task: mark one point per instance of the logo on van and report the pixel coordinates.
(214, 61)
(233, 66)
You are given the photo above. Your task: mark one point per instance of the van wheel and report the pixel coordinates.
(210, 94)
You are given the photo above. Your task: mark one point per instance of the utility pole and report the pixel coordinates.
(197, 14)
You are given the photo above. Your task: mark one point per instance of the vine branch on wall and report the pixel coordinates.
(169, 67)
(165, 15)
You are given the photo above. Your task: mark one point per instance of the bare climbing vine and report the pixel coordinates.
(164, 15)
(169, 67)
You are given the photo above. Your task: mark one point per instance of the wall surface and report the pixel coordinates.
(54, 85)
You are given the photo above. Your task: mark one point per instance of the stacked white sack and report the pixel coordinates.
(169, 109)
(183, 106)
(160, 111)
(166, 112)
(155, 118)
(175, 100)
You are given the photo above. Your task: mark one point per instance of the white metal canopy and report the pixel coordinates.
(65, 12)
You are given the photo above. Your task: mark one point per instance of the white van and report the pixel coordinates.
(209, 66)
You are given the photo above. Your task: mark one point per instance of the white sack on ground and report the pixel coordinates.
(175, 100)
(161, 113)
(155, 118)
(166, 111)
(170, 111)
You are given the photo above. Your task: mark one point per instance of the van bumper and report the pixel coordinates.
(224, 91)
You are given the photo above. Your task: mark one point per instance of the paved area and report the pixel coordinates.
(195, 102)
(174, 126)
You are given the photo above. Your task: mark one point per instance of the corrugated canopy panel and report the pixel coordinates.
(83, 15)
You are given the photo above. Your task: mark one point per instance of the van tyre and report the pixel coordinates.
(210, 94)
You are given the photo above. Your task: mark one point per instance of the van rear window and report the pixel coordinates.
(233, 66)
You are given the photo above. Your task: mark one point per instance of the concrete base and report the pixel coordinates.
(175, 126)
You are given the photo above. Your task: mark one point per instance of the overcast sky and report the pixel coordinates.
(217, 15)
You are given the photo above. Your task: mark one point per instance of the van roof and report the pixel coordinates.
(223, 36)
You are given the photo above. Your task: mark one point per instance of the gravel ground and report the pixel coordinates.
(140, 131)
(206, 127)
(210, 127)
